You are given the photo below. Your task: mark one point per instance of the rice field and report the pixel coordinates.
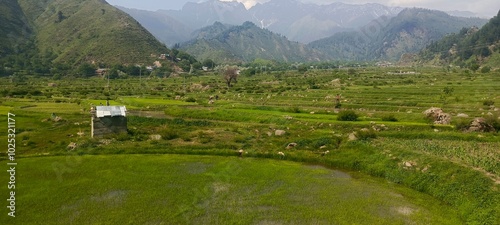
(288, 112)
(179, 189)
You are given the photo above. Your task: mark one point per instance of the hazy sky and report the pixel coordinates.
(485, 8)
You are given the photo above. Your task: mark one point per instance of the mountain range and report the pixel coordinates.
(47, 35)
(245, 43)
(409, 32)
(335, 31)
(382, 39)
(289, 18)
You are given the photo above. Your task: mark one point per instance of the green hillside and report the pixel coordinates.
(246, 43)
(89, 30)
(14, 28)
(42, 36)
(409, 32)
(470, 46)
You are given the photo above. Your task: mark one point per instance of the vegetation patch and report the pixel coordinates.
(347, 115)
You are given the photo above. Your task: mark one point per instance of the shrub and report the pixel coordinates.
(389, 118)
(169, 134)
(122, 137)
(302, 68)
(323, 141)
(462, 124)
(366, 135)
(488, 102)
(190, 99)
(493, 122)
(485, 69)
(474, 67)
(135, 135)
(294, 109)
(88, 143)
(347, 115)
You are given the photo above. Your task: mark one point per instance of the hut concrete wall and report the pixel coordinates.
(102, 126)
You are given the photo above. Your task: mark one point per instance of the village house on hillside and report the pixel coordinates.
(108, 120)
(101, 72)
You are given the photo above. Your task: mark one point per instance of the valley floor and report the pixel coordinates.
(284, 116)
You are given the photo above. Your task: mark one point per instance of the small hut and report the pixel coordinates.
(108, 120)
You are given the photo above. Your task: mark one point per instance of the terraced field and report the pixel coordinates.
(180, 189)
(284, 116)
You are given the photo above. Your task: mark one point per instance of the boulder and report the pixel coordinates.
(155, 137)
(279, 132)
(352, 136)
(480, 125)
(72, 146)
(438, 116)
(291, 145)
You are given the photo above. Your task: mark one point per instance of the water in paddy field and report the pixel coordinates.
(186, 189)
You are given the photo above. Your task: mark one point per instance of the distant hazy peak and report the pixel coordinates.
(462, 13)
(213, 3)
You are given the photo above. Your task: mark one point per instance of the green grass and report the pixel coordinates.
(142, 102)
(457, 168)
(472, 154)
(220, 190)
(4, 110)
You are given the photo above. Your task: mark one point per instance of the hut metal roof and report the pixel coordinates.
(102, 111)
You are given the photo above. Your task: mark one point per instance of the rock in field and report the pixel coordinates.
(438, 116)
(279, 132)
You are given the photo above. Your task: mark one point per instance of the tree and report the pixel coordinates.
(209, 63)
(485, 69)
(60, 17)
(185, 65)
(447, 91)
(86, 70)
(197, 66)
(60, 68)
(18, 78)
(474, 67)
(133, 70)
(231, 75)
(162, 72)
(186, 56)
(484, 52)
(249, 72)
(302, 68)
